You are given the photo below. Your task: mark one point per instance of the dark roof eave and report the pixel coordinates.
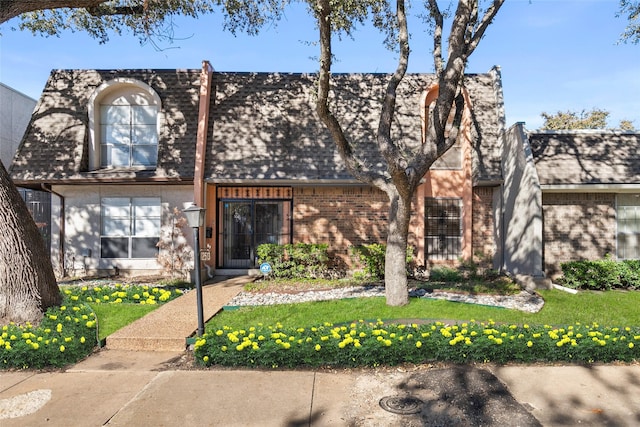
(37, 183)
(285, 182)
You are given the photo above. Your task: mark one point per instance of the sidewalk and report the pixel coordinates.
(121, 388)
(143, 388)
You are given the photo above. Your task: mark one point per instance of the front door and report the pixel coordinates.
(246, 224)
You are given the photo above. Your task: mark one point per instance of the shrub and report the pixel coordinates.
(298, 260)
(372, 257)
(445, 274)
(602, 274)
(175, 255)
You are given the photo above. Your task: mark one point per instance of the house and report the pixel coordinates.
(120, 149)
(15, 112)
(570, 195)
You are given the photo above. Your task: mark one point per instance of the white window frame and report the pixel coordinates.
(128, 135)
(132, 221)
(628, 226)
(140, 141)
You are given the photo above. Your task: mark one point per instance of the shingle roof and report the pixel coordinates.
(586, 157)
(263, 126)
(55, 145)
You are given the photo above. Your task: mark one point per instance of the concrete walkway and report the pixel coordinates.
(166, 328)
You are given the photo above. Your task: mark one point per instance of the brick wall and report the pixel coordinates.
(342, 217)
(339, 216)
(483, 239)
(577, 226)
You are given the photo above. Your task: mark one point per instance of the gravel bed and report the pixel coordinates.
(523, 301)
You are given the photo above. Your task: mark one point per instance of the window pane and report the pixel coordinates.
(452, 159)
(116, 206)
(112, 114)
(116, 134)
(147, 216)
(144, 114)
(144, 247)
(443, 228)
(115, 155)
(628, 214)
(116, 227)
(145, 155)
(145, 134)
(146, 206)
(111, 247)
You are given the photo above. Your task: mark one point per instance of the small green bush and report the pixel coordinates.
(295, 261)
(372, 257)
(602, 274)
(445, 274)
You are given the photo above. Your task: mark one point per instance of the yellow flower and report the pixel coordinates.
(631, 345)
(318, 347)
(82, 340)
(62, 349)
(205, 359)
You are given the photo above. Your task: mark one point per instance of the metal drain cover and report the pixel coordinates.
(403, 405)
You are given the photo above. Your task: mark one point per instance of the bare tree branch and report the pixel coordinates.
(12, 8)
(486, 20)
(396, 164)
(323, 11)
(434, 10)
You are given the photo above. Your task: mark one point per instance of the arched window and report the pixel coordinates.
(124, 121)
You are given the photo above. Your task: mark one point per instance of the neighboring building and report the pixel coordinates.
(570, 195)
(15, 112)
(119, 150)
(16, 109)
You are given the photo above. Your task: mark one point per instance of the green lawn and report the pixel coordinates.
(612, 308)
(112, 317)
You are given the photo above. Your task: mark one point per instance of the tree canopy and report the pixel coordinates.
(569, 120)
(630, 9)
(145, 19)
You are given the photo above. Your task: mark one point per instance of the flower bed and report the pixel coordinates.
(68, 333)
(121, 294)
(65, 335)
(373, 344)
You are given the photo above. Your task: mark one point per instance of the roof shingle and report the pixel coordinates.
(586, 157)
(262, 126)
(55, 145)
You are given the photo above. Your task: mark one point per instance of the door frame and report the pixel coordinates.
(252, 195)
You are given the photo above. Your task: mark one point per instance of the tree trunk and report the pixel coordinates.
(395, 269)
(27, 282)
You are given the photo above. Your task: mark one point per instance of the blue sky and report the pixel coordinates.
(554, 55)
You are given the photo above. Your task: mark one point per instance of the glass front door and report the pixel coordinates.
(247, 224)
